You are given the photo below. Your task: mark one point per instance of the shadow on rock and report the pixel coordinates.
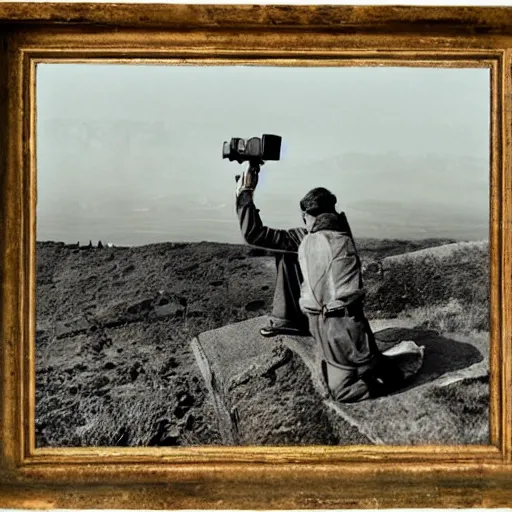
(442, 354)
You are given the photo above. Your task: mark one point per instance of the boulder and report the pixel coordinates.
(237, 363)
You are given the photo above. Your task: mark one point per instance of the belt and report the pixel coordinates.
(337, 312)
(350, 310)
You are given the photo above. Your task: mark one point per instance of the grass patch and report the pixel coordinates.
(467, 407)
(452, 317)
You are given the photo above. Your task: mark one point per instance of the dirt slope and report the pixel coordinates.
(114, 364)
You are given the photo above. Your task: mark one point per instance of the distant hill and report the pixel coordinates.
(441, 252)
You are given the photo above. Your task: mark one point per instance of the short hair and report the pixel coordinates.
(318, 201)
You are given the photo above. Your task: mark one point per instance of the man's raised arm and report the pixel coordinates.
(251, 226)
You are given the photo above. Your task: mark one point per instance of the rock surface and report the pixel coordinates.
(262, 391)
(233, 357)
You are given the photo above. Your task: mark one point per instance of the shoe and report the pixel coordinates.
(273, 329)
(385, 378)
(375, 384)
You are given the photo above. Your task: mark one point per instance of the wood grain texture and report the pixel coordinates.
(292, 486)
(497, 161)
(241, 477)
(373, 19)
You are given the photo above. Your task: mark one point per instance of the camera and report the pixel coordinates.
(254, 150)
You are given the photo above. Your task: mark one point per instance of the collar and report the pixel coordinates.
(331, 222)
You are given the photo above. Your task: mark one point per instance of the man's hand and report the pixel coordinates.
(248, 180)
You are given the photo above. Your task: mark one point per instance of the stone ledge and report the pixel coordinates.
(232, 355)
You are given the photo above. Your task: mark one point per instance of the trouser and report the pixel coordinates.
(378, 378)
(285, 308)
(346, 385)
(347, 353)
(353, 367)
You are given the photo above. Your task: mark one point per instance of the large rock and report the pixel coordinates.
(231, 357)
(262, 394)
(223, 355)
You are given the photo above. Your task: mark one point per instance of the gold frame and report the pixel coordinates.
(242, 477)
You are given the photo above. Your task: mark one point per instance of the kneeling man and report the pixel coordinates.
(332, 296)
(324, 291)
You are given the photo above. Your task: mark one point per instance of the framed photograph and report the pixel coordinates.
(255, 257)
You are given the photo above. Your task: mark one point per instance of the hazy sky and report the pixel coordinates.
(132, 154)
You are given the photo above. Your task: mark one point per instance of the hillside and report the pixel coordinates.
(448, 283)
(113, 333)
(114, 364)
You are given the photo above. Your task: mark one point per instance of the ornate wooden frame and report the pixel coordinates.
(236, 477)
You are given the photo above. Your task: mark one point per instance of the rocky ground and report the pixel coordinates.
(114, 364)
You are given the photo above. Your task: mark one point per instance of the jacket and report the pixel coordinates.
(259, 235)
(330, 266)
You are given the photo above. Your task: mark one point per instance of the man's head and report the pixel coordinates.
(315, 202)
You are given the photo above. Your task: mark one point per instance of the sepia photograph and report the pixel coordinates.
(262, 255)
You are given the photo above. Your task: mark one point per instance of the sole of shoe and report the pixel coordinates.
(276, 332)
